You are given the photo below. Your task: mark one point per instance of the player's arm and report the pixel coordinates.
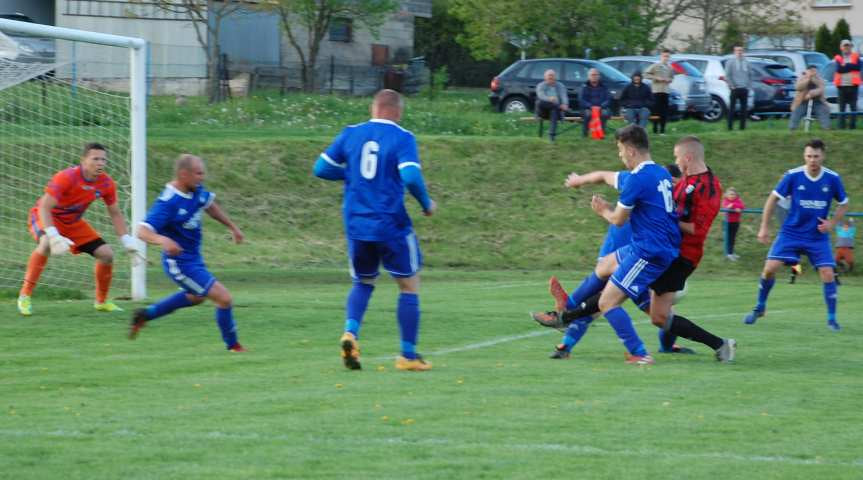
(826, 225)
(215, 211)
(575, 180)
(59, 243)
(46, 204)
(412, 177)
(119, 222)
(766, 215)
(148, 234)
(687, 227)
(328, 169)
(616, 216)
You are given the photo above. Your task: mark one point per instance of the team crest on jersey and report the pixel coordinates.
(825, 189)
(801, 187)
(183, 211)
(86, 187)
(97, 193)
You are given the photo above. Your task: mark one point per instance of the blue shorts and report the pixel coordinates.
(616, 238)
(788, 250)
(401, 257)
(191, 275)
(634, 275)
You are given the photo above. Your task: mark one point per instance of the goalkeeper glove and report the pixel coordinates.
(58, 243)
(130, 243)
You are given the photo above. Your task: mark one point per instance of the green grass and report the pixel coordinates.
(82, 402)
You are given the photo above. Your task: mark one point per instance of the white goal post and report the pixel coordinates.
(137, 122)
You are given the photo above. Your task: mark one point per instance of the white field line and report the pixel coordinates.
(512, 338)
(572, 448)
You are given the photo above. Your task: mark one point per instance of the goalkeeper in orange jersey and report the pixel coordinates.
(57, 225)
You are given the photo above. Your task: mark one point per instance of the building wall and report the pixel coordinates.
(813, 14)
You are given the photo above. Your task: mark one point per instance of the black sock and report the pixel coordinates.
(587, 307)
(682, 327)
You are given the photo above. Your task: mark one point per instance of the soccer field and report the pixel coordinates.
(82, 402)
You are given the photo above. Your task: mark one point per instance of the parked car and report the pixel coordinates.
(712, 68)
(514, 90)
(29, 48)
(688, 81)
(796, 60)
(772, 84)
(831, 92)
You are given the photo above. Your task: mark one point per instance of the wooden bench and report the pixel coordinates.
(574, 120)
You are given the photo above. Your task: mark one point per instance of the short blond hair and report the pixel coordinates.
(185, 162)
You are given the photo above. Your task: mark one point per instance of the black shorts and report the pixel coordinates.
(91, 247)
(674, 277)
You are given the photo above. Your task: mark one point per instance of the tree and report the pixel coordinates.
(314, 18)
(560, 27)
(842, 31)
(765, 17)
(732, 36)
(824, 40)
(207, 17)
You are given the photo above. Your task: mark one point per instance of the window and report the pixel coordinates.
(341, 30)
(701, 65)
(781, 60)
(536, 70)
(574, 74)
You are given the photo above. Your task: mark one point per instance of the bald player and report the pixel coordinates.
(377, 160)
(174, 224)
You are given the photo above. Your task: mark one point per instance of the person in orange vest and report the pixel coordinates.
(847, 81)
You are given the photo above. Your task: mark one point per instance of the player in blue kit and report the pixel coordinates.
(174, 223)
(806, 229)
(377, 160)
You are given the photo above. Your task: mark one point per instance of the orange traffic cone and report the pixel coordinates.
(595, 124)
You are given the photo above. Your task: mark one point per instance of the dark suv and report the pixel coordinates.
(514, 90)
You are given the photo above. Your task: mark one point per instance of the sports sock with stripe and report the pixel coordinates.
(574, 332)
(225, 320)
(589, 286)
(622, 325)
(830, 295)
(764, 287)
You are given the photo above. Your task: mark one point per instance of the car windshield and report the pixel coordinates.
(780, 71)
(609, 73)
(689, 68)
(816, 58)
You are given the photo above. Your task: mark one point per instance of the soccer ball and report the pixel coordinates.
(678, 295)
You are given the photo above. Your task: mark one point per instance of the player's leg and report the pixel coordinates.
(363, 260)
(165, 306)
(103, 272)
(783, 251)
(402, 258)
(610, 305)
(35, 264)
(220, 295)
(571, 337)
(821, 257)
(590, 286)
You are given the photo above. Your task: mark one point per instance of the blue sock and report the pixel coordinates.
(225, 319)
(167, 305)
(408, 313)
(588, 288)
(763, 290)
(622, 325)
(356, 305)
(576, 330)
(830, 294)
(666, 341)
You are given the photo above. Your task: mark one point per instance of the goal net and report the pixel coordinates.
(53, 101)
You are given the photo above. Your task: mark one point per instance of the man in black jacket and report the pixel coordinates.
(636, 100)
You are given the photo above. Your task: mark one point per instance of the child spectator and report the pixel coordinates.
(845, 245)
(734, 203)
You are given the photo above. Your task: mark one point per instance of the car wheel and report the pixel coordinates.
(515, 104)
(717, 110)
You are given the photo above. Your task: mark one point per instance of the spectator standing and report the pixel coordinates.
(847, 81)
(553, 100)
(737, 75)
(734, 203)
(660, 75)
(845, 245)
(810, 87)
(636, 100)
(593, 94)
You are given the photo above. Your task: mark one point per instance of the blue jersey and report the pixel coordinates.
(617, 237)
(648, 194)
(810, 200)
(372, 154)
(177, 215)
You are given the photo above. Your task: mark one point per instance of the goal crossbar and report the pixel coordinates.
(138, 117)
